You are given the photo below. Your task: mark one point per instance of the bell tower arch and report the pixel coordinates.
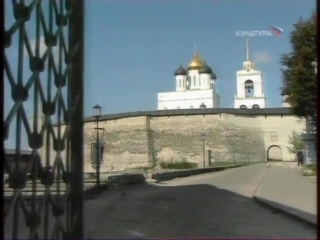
(250, 89)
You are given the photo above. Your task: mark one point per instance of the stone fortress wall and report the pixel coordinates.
(135, 140)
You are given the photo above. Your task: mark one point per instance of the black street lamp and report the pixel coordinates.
(96, 111)
(204, 149)
(97, 115)
(315, 66)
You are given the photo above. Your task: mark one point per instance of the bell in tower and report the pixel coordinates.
(249, 88)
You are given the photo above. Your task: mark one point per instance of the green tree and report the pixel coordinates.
(299, 78)
(296, 142)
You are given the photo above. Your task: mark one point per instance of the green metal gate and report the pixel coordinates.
(43, 83)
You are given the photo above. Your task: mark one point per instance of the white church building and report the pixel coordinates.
(195, 88)
(250, 88)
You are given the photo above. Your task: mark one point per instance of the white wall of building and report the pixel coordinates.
(188, 99)
(258, 97)
(255, 76)
(181, 83)
(205, 81)
(194, 87)
(249, 102)
(194, 79)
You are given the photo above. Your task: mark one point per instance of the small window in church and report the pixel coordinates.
(203, 105)
(178, 107)
(191, 106)
(194, 80)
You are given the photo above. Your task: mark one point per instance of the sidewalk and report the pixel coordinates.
(285, 189)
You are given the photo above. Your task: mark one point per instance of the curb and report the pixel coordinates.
(292, 213)
(309, 220)
(165, 176)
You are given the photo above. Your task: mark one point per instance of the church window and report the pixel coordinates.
(243, 106)
(249, 88)
(194, 80)
(178, 107)
(191, 106)
(255, 106)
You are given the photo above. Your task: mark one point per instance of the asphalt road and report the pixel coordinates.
(215, 205)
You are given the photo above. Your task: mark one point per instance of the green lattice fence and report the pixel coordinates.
(43, 72)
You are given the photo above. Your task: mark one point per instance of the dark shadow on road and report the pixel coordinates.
(175, 209)
(192, 211)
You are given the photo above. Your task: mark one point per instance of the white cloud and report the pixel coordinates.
(263, 56)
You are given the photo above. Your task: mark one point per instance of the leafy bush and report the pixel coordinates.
(296, 143)
(312, 167)
(310, 170)
(183, 164)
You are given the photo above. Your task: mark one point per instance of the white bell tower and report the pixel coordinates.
(250, 89)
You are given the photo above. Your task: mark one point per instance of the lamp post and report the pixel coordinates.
(234, 151)
(96, 115)
(204, 149)
(315, 66)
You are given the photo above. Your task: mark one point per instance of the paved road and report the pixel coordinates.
(298, 194)
(215, 205)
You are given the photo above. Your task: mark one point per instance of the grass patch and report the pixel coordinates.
(310, 170)
(178, 165)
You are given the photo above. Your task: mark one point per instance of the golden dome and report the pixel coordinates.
(196, 62)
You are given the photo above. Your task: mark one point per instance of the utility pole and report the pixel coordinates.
(204, 149)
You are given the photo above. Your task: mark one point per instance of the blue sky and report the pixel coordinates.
(133, 47)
